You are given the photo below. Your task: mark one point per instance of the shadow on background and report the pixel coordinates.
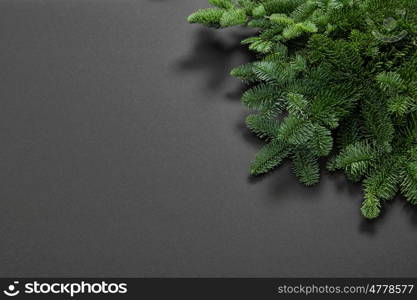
(214, 54)
(410, 210)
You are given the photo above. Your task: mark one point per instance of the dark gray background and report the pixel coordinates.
(123, 153)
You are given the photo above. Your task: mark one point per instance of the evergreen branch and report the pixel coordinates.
(209, 16)
(221, 3)
(306, 167)
(264, 127)
(233, 17)
(269, 157)
(325, 72)
(295, 131)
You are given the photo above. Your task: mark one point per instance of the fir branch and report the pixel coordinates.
(339, 84)
(269, 157)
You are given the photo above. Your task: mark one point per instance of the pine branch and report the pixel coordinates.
(264, 127)
(306, 167)
(269, 157)
(342, 86)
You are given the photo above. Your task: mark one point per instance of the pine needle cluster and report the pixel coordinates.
(336, 79)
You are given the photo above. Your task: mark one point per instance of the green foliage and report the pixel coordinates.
(209, 17)
(264, 127)
(269, 157)
(233, 17)
(306, 167)
(332, 78)
(263, 97)
(409, 184)
(221, 3)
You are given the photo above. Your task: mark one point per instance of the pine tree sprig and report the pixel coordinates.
(331, 78)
